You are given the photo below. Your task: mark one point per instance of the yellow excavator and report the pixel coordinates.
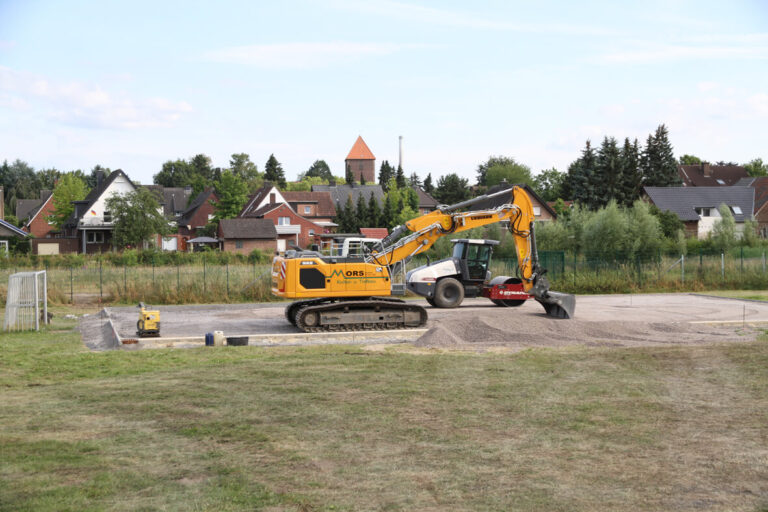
(345, 293)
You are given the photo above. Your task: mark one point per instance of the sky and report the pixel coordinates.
(133, 84)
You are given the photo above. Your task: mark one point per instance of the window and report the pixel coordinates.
(704, 212)
(107, 217)
(311, 232)
(283, 221)
(307, 209)
(94, 237)
(536, 211)
(238, 244)
(720, 181)
(736, 209)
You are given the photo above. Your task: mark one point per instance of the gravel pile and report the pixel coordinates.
(499, 328)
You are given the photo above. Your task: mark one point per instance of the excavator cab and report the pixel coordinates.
(474, 258)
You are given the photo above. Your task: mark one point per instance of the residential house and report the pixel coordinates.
(541, 210)
(89, 229)
(292, 229)
(707, 175)
(193, 218)
(314, 206)
(361, 162)
(427, 203)
(35, 214)
(760, 185)
(698, 207)
(380, 233)
(244, 235)
(174, 200)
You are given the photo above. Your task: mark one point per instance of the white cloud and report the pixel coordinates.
(303, 55)
(85, 105)
(675, 52)
(434, 16)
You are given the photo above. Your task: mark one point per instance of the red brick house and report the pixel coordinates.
(292, 228)
(361, 162)
(37, 223)
(198, 214)
(244, 235)
(707, 175)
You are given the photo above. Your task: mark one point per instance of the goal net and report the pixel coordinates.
(27, 303)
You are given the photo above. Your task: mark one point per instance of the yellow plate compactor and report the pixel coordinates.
(149, 322)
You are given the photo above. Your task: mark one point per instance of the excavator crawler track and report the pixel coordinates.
(373, 314)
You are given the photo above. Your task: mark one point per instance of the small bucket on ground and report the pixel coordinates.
(209, 339)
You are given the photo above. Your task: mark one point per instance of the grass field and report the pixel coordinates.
(342, 428)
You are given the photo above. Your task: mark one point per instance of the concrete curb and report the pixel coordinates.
(285, 340)
(109, 332)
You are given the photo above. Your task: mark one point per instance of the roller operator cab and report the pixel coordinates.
(447, 282)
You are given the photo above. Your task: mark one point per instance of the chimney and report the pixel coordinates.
(706, 169)
(99, 179)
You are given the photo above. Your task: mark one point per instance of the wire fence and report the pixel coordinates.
(103, 282)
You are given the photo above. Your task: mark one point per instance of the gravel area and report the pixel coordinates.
(605, 320)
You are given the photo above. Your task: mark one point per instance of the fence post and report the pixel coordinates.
(682, 267)
(763, 262)
(178, 279)
(722, 264)
(71, 287)
(101, 289)
(227, 267)
(153, 270)
(204, 280)
(125, 278)
(701, 257)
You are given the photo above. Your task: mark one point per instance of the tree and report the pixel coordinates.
(240, 164)
(482, 169)
(583, 179)
(174, 173)
(319, 169)
(451, 189)
(386, 172)
(400, 177)
(658, 164)
(361, 212)
(350, 177)
(756, 168)
(414, 180)
(352, 223)
(201, 166)
(689, 160)
(69, 188)
(548, 184)
(273, 171)
(230, 190)
(374, 212)
(630, 172)
(669, 222)
(92, 179)
(507, 169)
(428, 187)
(137, 217)
(609, 173)
(723, 233)
(48, 178)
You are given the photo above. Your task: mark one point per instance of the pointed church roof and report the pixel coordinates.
(360, 151)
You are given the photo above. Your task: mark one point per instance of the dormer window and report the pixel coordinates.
(704, 211)
(721, 182)
(736, 210)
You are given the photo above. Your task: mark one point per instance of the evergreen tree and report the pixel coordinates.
(386, 172)
(340, 219)
(413, 199)
(374, 212)
(414, 180)
(631, 179)
(388, 214)
(362, 180)
(349, 176)
(658, 164)
(273, 171)
(583, 178)
(609, 173)
(361, 212)
(400, 177)
(451, 189)
(352, 224)
(428, 187)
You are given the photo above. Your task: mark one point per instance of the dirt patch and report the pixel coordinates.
(496, 328)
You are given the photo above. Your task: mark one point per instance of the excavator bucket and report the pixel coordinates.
(557, 304)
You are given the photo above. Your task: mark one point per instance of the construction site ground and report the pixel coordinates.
(600, 320)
